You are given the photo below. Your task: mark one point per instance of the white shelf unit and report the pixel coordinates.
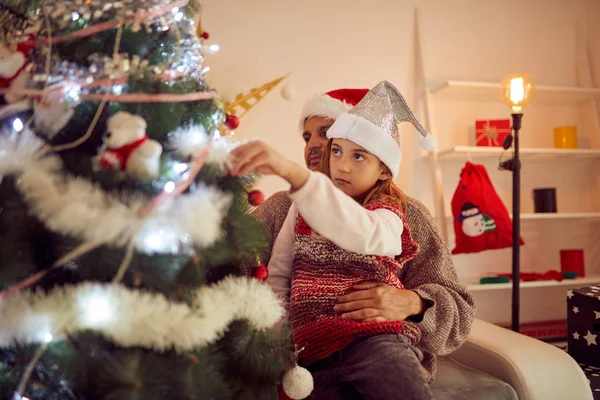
(588, 280)
(465, 152)
(557, 230)
(490, 92)
(538, 155)
(556, 216)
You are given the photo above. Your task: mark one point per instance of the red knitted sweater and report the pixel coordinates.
(321, 273)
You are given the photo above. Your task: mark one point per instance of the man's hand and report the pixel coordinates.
(257, 156)
(378, 302)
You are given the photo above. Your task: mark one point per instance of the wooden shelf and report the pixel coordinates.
(490, 92)
(536, 153)
(552, 216)
(588, 280)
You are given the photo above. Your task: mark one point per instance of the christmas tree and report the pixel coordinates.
(123, 242)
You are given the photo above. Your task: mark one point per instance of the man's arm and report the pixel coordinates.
(447, 321)
(271, 214)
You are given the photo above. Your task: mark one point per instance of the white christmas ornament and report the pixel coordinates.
(298, 383)
(127, 148)
(288, 92)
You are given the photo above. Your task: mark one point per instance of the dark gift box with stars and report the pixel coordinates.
(583, 321)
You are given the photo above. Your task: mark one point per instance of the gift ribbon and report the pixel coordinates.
(122, 98)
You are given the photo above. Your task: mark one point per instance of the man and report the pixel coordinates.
(433, 298)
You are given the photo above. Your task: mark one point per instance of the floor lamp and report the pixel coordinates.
(517, 91)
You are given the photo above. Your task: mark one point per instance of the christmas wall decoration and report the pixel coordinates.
(125, 245)
(481, 221)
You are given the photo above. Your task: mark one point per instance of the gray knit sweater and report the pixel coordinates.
(447, 321)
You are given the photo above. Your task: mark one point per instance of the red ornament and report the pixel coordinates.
(256, 198)
(205, 35)
(260, 272)
(232, 122)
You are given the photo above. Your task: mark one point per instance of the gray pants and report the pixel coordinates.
(379, 367)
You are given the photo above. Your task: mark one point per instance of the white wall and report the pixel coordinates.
(353, 43)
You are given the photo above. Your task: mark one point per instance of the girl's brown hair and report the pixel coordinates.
(383, 190)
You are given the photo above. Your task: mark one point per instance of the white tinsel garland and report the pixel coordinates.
(77, 207)
(132, 318)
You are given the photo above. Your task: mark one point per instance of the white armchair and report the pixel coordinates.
(534, 370)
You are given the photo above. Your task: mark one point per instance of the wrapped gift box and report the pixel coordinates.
(583, 324)
(593, 375)
(491, 132)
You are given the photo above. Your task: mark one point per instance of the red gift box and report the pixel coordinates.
(491, 132)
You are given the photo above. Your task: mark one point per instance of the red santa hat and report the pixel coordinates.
(331, 104)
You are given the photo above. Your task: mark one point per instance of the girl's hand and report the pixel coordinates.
(257, 156)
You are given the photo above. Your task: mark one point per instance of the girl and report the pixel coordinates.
(339, 232)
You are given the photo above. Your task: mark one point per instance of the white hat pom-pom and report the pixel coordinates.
(428, 142)
(288, 92)
(298, 383)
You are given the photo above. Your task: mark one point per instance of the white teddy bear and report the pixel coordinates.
(127, 148)
(14, 71)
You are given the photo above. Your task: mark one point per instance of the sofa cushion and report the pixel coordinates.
(455, 381)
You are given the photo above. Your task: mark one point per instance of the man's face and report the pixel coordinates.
(315, 139)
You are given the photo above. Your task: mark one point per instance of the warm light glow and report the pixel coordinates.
(18, 125)
(47, 337)
(517, 91)
(117, 89)
(96, 309)
(158, 237)
(180, 168)
(169, 187)
(212, 49)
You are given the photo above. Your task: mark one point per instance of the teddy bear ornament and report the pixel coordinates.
(13, 71)
(127, 149)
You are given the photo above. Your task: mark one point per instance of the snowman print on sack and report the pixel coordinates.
(474, 222)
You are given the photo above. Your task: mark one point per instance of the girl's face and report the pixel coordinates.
(353, 169)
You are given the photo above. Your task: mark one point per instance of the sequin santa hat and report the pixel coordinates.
(331, 104)
(373, 124)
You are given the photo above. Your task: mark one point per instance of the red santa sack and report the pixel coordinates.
(481, 221)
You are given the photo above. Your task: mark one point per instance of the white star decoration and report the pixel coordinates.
(569, 293)
(576, 335)
(591, 339)
(597, 314)
(575, 310)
